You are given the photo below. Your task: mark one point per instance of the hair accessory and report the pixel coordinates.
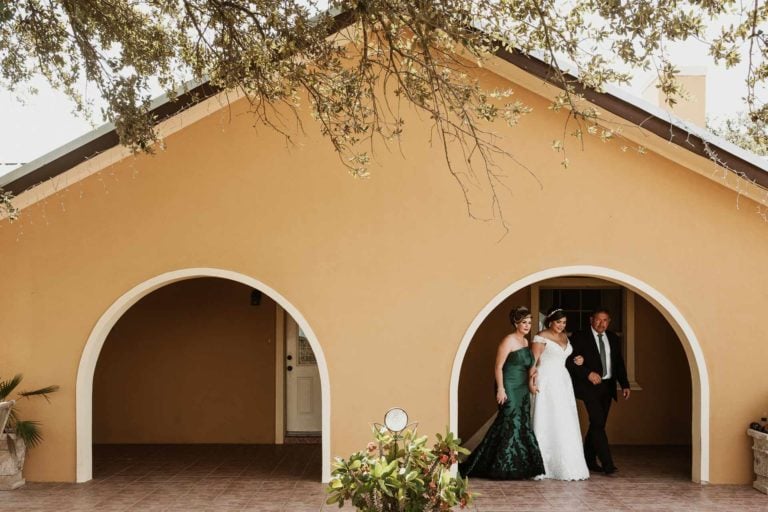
(554, 311)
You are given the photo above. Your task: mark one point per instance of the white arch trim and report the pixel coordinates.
(90, 356)
(694, 353)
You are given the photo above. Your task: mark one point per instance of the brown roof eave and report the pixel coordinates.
(110, 139)
(104, 142)
(636, 115)
(632, 113)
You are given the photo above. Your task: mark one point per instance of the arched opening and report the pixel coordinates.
(197, 356)
(645, 314)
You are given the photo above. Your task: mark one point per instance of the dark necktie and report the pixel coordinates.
(601, 345)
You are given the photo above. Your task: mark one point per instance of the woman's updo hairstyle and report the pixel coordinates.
(553, 315)
(519, 314)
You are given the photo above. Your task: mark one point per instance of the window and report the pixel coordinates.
(578, 296)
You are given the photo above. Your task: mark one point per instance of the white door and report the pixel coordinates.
(302, 382)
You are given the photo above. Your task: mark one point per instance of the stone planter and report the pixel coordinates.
(11, 462)
(760, 451)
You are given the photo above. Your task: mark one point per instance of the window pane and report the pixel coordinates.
(579, 303)
(570, 299)
(590, 299)
(546, 299)
(585, 320)
(573, 321)
(611, 299)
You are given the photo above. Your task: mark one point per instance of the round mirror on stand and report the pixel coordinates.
(396, 419)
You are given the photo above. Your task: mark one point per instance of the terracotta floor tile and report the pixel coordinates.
(266, 478)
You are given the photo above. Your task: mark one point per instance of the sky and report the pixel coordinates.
(36, 125)
(43, 122)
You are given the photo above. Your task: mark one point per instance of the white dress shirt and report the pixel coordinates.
(607, 373)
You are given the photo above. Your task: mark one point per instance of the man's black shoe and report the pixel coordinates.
(611, 470)
(595, 467)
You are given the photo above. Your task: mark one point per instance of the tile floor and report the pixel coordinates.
(286, 478)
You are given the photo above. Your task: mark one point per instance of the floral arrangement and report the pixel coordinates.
(398, 472)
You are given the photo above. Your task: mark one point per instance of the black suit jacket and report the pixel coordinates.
(584, 345)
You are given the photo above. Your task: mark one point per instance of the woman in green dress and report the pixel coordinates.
(509, 450)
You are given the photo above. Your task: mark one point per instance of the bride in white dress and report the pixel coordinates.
(555, 417)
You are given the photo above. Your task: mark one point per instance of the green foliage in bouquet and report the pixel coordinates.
(400, 473)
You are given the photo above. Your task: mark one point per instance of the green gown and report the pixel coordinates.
(509, 450)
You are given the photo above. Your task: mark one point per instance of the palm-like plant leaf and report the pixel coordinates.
(44, 392)
(12, 419)
(7, 386)
(29, 431)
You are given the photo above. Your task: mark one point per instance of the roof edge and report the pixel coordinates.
(97, 141)
(654, 119)
(104, 137)
(614, 100)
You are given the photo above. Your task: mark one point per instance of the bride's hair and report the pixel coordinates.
(518, 314)
(553, 315)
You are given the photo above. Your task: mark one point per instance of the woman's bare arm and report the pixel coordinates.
(501, 356)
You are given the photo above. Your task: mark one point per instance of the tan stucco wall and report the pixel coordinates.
(388, 269)
(192, 362)
(660, 413)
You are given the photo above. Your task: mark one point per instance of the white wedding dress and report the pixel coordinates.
(555, 418)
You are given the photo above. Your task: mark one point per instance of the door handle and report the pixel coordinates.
(289, 357)
(289, 368)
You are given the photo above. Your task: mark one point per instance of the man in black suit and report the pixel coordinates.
(594, 382)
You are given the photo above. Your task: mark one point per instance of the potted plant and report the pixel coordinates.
(399, 472)
(18, 434)
(758, 431)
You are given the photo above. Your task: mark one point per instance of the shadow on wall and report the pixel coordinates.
(192, 362)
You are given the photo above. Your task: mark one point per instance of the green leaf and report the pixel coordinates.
(29, 431)
(7, 387)
(44, 392)
(392, 466)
